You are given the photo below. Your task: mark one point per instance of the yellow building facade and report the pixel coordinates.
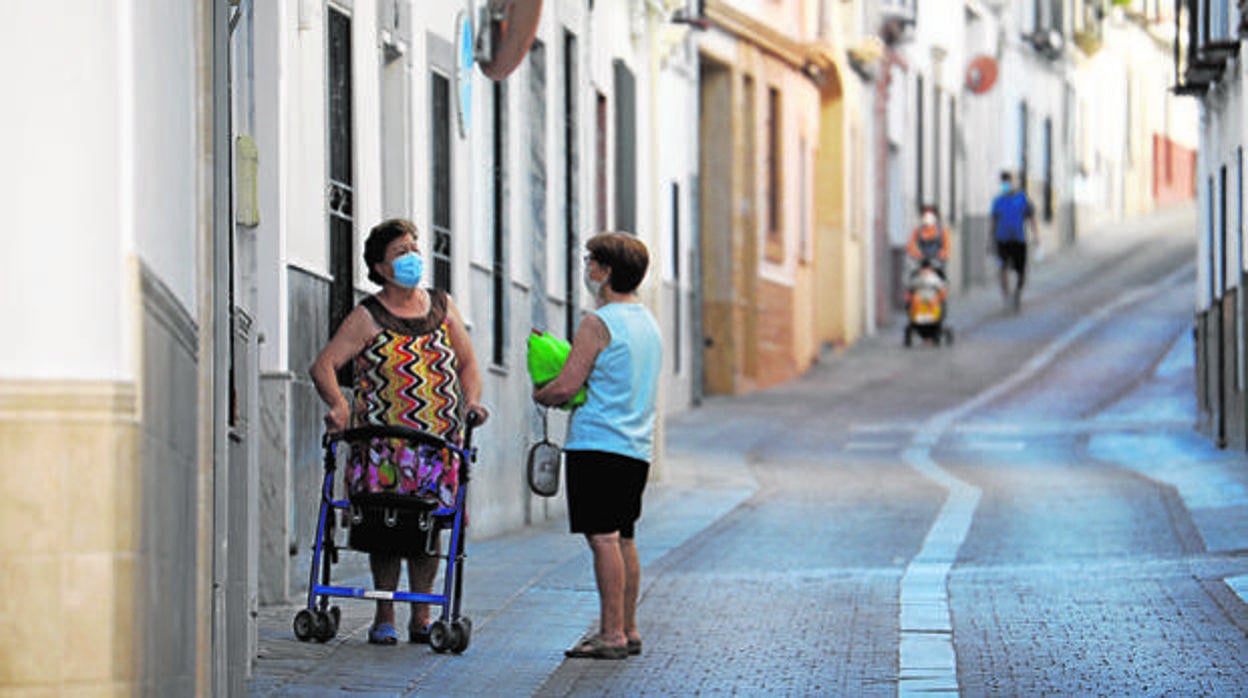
(782, 215)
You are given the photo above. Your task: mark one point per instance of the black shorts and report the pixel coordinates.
(604, 492)
(1013, 254)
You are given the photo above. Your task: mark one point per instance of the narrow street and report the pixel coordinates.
(1026, 512)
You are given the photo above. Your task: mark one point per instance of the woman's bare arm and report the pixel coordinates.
(354, 333)
(591, 338)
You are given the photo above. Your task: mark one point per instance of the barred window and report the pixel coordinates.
(440, 177)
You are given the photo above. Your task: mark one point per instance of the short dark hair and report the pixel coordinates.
(1007, 177)
(379, 238)
(626, 255)
(929, 207)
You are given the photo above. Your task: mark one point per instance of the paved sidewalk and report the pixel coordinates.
(1212, 483)
(531, 593)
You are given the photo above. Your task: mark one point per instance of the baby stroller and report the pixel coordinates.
(393, 515)
(925, 305)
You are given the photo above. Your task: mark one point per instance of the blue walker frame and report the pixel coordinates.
(319, 620)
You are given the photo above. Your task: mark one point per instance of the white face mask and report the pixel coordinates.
(594, 287)
(929, 219)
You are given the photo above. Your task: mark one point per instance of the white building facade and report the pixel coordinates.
(1210, 68)
(1136, 139)
(197, 182)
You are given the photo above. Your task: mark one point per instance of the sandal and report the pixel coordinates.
(595, 648)
(383, 634)
(634, 646)
(417, 633)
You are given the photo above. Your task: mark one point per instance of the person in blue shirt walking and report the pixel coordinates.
(617, 353)
(1012, 214)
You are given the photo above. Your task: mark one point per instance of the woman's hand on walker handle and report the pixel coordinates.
(337, 417)
(476, 415)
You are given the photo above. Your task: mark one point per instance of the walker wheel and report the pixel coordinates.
(305, 624)
(326, 626)
(440, 636)
(462, 631)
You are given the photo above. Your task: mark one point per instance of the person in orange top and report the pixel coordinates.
(929, 241)
(928, 248)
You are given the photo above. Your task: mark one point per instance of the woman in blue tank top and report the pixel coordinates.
(617, 354)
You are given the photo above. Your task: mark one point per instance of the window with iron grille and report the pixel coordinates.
(1217, 20)
(774, 164)
(1222, 234)
(600, 162)
(440, 177)
(571, 193)
(339, 188)
(625, 148)
(1239, 262)
(919, 164)
(1213, 264)
(951, 211)
(676, 296)
(937, 153)
(1022, 145)
(1048, 169)
(498, 265)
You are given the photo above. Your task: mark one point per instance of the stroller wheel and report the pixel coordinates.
(305, 625)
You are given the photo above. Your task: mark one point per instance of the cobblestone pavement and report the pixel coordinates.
(1103, 558)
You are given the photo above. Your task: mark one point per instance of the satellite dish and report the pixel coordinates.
(981, 74)
(507, 28)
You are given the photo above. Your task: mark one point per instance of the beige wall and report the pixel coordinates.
(100, 535)
(839, 220)
(68, 537)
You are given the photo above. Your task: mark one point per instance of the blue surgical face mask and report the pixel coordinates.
(408, 269)
(1005, 187)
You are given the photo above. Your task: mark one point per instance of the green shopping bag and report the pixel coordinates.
(546, 356)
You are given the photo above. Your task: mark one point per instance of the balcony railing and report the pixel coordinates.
(1203, 43)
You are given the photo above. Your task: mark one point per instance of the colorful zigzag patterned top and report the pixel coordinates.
(407, 375)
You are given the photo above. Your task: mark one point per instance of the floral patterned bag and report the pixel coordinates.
(390, 466)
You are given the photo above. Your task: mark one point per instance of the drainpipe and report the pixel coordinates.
(214, 503)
